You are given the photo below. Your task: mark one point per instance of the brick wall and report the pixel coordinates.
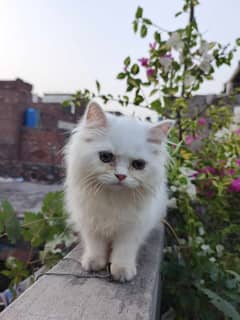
(42, 146)
(51, 113)
(14, 97)
(16, 91)
(31, 152)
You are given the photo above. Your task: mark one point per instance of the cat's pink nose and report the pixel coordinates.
(121, 176)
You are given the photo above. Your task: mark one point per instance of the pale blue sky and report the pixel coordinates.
(64, 45)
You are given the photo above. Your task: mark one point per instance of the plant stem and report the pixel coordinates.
(187, 52)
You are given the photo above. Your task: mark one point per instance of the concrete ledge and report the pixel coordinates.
(68, 298)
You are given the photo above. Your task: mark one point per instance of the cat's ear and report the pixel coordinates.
(159, 132)
(95, 116)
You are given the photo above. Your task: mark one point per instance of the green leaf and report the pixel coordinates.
(121, 75)
(147, 21)
(7, 207)
(6, 273)
(35, 228)
(153, 92)
(105, 99)
(13, 229)
(129, 88)
(98, 86)
(9, 222)
(139, 13)
(143, 31)
(156, 105)
(132, 82)
(127, 61)
(126, 100)
(66, 103)
(221, 304)
(178, 13)
(235, 274)
(135, 26)
(157, 36)
(31, 218)
(135, 69)
(53, 204)
(1, 224)
(238, 42)
(16, 270)
(138, 99)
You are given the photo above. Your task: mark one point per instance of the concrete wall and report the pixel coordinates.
(65, 297)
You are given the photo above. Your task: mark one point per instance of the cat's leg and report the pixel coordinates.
(124, 255)
(95, 252)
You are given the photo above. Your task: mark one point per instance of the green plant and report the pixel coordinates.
(201, 266)
(46, 234)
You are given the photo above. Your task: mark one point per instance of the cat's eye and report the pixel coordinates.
(106, 156)
(138, 164)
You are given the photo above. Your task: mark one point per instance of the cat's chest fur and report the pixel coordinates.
(112, 213)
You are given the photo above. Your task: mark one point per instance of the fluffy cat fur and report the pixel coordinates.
(113, 205)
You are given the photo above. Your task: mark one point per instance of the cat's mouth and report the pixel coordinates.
(117, 185)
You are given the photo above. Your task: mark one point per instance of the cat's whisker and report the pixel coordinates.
(91, 190)
(149, 189)
(146, 187)
(88, 183)
(88, 180)
(138, 193)
(97, 188)
(92, 187)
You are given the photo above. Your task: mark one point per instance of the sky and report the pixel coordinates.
(65, 45)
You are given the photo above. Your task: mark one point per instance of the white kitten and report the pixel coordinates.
(115, 189)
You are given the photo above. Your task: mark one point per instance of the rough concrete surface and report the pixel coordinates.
(25, 196)
(69, 298)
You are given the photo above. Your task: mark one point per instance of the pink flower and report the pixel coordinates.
(235, 185)
(150, 72)
(238, 162)
(230, 171)
(202, 121)
(210, 193)
(238, 131)
(144, 62)
(210, 170)
(200, 210)
(207, 169)
(168, 56)
(189, 140)
(153, 45)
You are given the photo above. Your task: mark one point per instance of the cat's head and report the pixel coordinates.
(118, 153)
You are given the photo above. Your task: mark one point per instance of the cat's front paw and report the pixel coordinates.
(93, 263)
(123, 273)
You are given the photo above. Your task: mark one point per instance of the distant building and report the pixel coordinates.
(56, 97)
(234, 82)
(32, 147)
